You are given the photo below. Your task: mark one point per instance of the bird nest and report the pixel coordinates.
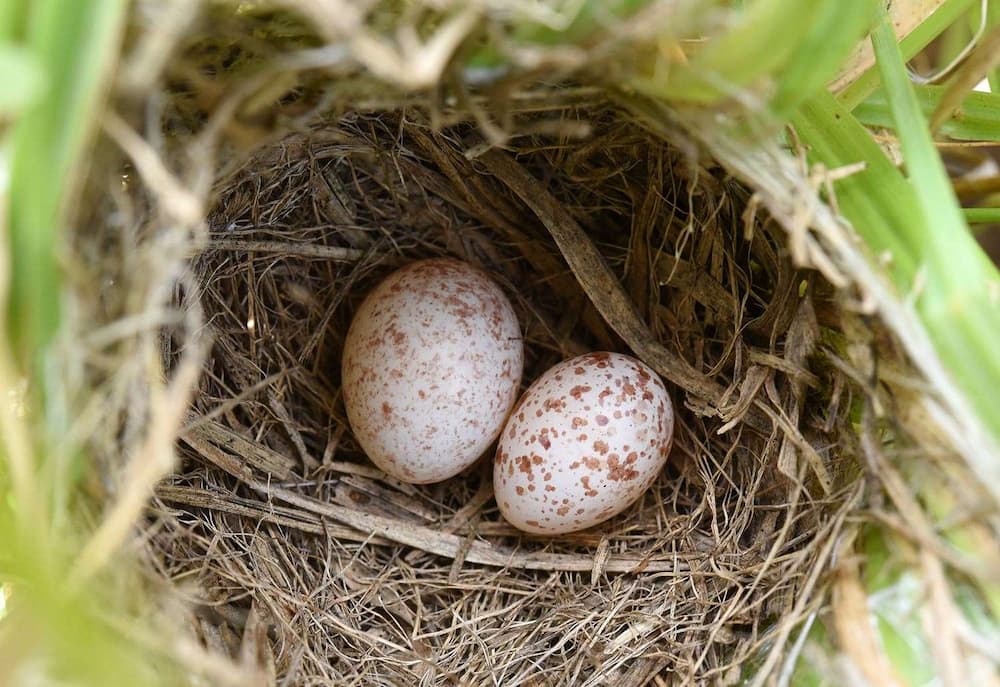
(296, 550)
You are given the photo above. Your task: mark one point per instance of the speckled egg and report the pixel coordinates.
(585, 441)
(431, 368)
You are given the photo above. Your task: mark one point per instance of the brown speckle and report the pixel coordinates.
(554, 404)
(578, 391)
(618, 472)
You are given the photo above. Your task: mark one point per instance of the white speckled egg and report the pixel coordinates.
(586, 439)
(431, 368)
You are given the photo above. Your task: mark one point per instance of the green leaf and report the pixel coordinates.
(880, 204)
(73, 43)
(12, 19)
(977, 120)
(838, 26)
(919, 225)
(761, 42)
(993, 20)
(982, 215)
(961, 315)
(22, 79)
(943, 17)
(926, 170)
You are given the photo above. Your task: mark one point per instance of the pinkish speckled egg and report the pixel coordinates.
(431, 367)
(585, 441)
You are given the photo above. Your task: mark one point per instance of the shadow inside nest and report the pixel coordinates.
(277, 514)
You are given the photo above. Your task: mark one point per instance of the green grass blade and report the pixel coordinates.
(982, 215)
(922, 244)
(919, 223)
(978, 119)
(73, 43)
(12, 15)
(958, 307)
(838, 26)
(974, 68)
(888, 221)
(22, 79)
(924, 165)
(761, 42)
(798, 46)
(992, 21)
(918, 39)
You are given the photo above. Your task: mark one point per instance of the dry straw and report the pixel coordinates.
(296, 560)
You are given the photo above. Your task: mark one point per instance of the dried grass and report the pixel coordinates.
(298, 562)
(361, 579)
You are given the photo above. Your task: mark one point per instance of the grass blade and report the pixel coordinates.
(926, 171)
(919, 224)
(73, 43)
(947, 14)
(958, 309)
(887, 221)
(982, 215)
(839, 25)
(761, 42)
(977, 118)
(976, 66)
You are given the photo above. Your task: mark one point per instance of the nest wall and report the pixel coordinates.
(278, 527)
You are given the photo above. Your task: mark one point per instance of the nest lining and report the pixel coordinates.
(278, 523)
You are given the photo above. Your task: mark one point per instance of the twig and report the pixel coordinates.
(303, 250)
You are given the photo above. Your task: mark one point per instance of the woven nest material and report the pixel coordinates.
(291, 542)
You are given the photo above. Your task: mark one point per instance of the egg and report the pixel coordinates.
(584, 442)
(431, 368)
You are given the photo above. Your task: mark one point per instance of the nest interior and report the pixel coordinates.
(276, 523)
